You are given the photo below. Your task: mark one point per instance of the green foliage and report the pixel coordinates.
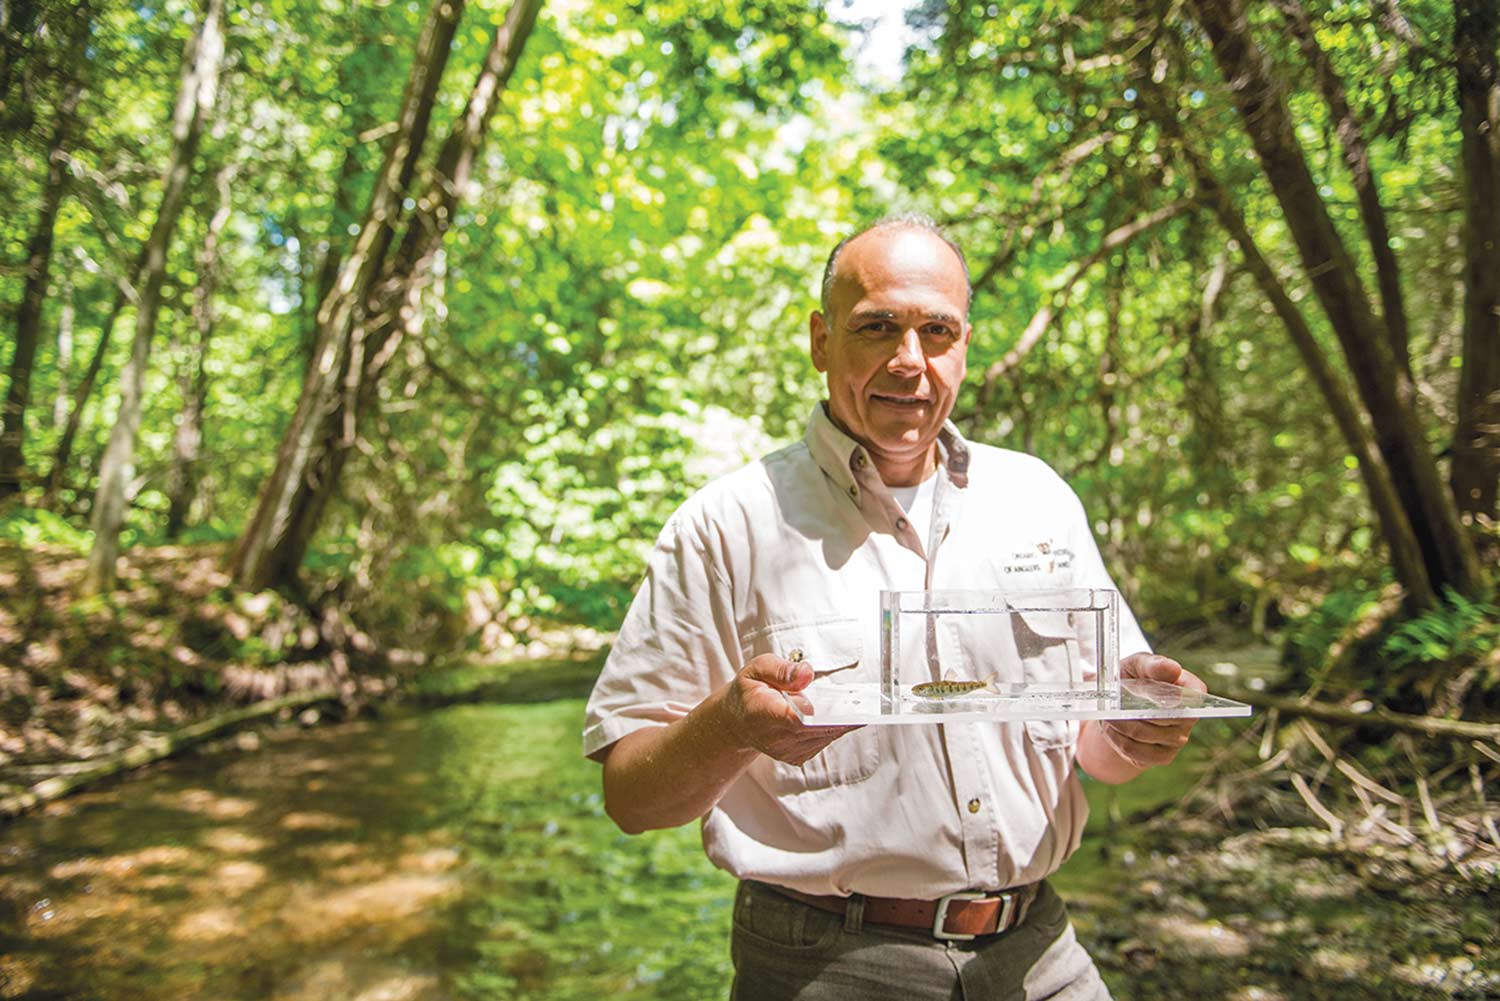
(35, 526)
(619, 311)
(1456, 633)
(1307, 642)
(1186, 422)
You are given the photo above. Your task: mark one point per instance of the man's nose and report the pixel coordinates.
(909, 356)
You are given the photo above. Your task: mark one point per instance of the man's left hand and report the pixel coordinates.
(1146, 743)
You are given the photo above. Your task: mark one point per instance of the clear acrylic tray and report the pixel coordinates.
(957, 656)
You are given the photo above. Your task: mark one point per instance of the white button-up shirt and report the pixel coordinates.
(791, 553)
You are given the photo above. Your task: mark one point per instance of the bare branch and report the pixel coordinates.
(1061, 171)
(1058, 299)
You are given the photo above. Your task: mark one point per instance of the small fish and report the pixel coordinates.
(949, 688)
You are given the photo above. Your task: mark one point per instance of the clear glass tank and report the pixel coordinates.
(952, 656)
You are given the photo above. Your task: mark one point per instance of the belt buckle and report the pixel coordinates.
(1007, 908)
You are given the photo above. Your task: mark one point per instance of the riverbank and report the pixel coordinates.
(85, 677)
(93, 686)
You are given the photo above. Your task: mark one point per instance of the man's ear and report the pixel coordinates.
(817, 329)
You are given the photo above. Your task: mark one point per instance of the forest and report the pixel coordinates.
(357, 351)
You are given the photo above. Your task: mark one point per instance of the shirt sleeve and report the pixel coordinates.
(1089, 571)
(677, 644)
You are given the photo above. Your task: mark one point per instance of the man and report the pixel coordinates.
(850, 842)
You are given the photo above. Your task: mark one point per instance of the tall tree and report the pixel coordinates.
(262, 556)
(202, 60)
(187, 439)
(1372, 215)
(1395, 525)
(63, 453)
(376, 299)
(39, 258)
(1381, 377)
(1475, 473)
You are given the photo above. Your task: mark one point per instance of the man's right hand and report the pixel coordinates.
(759, 716)
(668, 775)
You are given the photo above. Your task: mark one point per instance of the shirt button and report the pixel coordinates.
(859, 460)
(900, 524)
(973, 806)
(854, 491)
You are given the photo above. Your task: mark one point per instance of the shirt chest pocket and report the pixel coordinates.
(834, 648)
(1051, 660)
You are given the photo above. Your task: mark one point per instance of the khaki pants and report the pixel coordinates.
(783, 950)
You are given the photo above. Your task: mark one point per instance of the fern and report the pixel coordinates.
(1459, 630)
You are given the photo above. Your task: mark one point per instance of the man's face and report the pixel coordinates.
(894, 343)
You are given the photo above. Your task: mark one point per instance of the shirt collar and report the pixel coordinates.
(841, 457)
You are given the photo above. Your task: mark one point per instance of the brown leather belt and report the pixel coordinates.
(956, 916)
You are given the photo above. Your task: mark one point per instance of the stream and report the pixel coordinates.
(460, 852)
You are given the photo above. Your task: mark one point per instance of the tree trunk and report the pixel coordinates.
(34, 293)
(195, 99)
(1357, 159)
(1392, 516)
(64, 451)
(20, 24)
(66, 316)
(271, 549)
(1383, 383)
(1395, 527)
(361, 323)
(1475, 474)
(187, 442)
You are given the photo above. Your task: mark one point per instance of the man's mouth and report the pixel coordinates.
(901, 399)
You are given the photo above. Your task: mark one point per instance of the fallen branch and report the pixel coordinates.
(1431, 726)
(1335, 825)
(1484, 806)
(1362, 782)
(155, 748)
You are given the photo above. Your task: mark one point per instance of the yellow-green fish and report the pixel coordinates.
(949, 689)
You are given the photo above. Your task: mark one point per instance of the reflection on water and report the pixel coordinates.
(461, 853)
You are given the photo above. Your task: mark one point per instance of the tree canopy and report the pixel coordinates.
(1233, 274)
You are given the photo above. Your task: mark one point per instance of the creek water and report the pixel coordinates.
(457, 853)
(311, 866)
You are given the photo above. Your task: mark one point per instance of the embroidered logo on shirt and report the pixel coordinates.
(1043, 557)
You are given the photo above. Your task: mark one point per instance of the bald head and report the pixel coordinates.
(911, 221)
